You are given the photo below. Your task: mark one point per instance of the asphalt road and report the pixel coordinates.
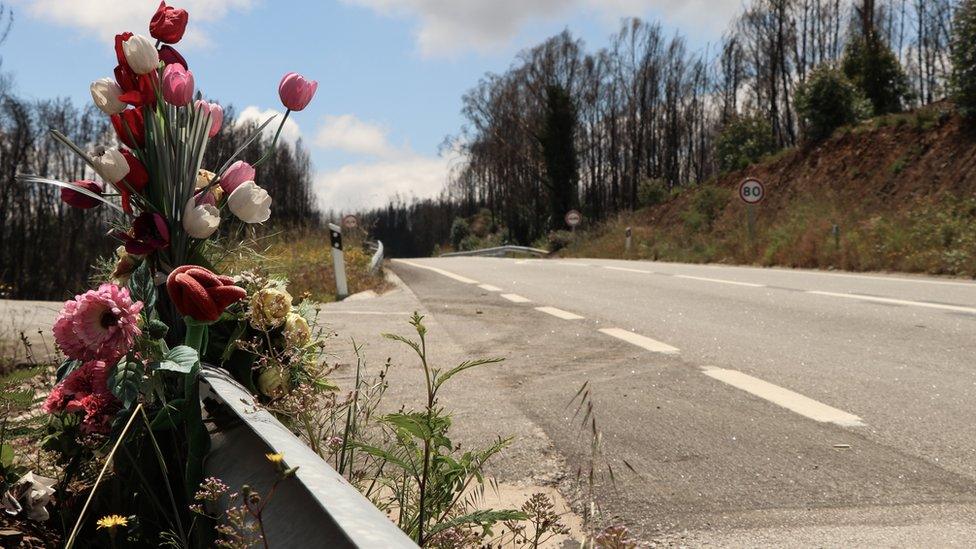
(755, 406)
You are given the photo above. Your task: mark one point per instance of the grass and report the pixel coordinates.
(305, 258)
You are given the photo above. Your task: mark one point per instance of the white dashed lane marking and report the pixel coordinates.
(448, 274)
(515, 298)
(720, 281)
(489, 288)
(643, 342)
(559, 313)
(892, 301)
(786, 398)
(626, 270)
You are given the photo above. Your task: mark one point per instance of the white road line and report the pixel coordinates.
(721, 281)
(489, 288)
(957, 308)
(652, 345)
(515, 298)
(559, 313)
(625, 269)
(338, 312)
(786, 398)
(572, 263)
(448, 274)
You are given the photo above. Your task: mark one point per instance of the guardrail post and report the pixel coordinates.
(338, 262)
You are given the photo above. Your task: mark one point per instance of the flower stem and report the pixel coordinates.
(274, 142)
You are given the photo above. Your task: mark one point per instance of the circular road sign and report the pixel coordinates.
(350, 221)
(752, 191)
(573, 218)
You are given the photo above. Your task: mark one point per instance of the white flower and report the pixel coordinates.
(140, 54)
(200, 220)
(250, 203)
(110, 164)
(105, 92)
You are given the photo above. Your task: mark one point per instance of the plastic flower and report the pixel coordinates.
(235, 175)
(98, 324)
(200, 294)
(297, 331)
(76, 199)
(85, 391)
(136, 180)
(137, 89)
(216, 115)
(124, 266)
(169, 55)
(250, 203)
(110, 164)
(269, 308)
(149, 233)
(275, 458)
(168, 23)
(140, 54)
(177, 85)
(105, 93)
(295, 91)
(130, 128)
(200, 219)
(111, 522)
(271, 383)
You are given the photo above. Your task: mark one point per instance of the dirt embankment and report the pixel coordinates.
(899, 188)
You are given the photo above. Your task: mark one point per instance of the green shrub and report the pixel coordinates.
(874, 70)
(743, 141)
(827, 101)
(651, 192)
(704, 208)
(963, 79)
(559, 240)
(459, 231)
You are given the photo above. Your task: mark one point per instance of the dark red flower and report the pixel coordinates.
(137, 90)
(200, 294)
(137, 179)
(149, 233)
(129, 127)
(119, 54)
(169, 55)
(76, 199)
(168, 23)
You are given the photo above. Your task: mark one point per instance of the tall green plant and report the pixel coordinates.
(875, 71)
(963, 78)
(827, 101)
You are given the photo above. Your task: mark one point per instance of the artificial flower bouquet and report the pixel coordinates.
(126, 404)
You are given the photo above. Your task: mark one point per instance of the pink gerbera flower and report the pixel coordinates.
(98, 325)
(85, 391)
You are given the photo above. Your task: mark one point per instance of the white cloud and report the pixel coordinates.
(448, 26)
(370, 185)
(290, 133)
(350, 134)
(106, 18)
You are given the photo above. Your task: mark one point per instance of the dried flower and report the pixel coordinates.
(98, 325)
(269, 308)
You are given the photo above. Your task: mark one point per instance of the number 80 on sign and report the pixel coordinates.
(752, 191)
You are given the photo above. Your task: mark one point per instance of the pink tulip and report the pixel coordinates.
(177, 85)
(216, 115)
(295, 91)
(237, 173)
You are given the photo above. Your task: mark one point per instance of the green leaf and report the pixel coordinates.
(414, 424)
(125, 381)
(179, 359)
(170, 416)
(67, 367)
(6, 455)
(142, 288)
(484, 519)
(157, 329)
(442, 378)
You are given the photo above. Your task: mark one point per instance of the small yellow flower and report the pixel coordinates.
(275, 458)
(111, 522)
(269, 308)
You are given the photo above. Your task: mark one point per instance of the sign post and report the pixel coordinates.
(350, 222)
(573, 218)
(335, 239)
(752, 192)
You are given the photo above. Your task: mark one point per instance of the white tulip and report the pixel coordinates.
(200, 220)
(105, 92)
(250, 203)
(140, 54)
(110, 164)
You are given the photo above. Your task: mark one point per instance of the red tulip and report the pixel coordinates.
(170, 56)
(137, 179)
(76, 199)
(138, 89)
(119, 54)
(296, 92)
(168, 23)
(149, 233)
(200, 294)
(129, 127)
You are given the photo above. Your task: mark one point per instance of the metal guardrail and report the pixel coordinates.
(500, 251)
(377, 261)
(317, 507)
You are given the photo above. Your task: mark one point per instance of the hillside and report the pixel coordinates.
(900, 189)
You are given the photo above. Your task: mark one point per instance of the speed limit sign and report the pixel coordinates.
(752, 191)
(573, 218)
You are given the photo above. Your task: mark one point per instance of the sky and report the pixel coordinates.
(391, 73)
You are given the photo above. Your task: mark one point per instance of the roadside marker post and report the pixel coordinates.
(752, 192)
(338, 262)
(627, 235)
